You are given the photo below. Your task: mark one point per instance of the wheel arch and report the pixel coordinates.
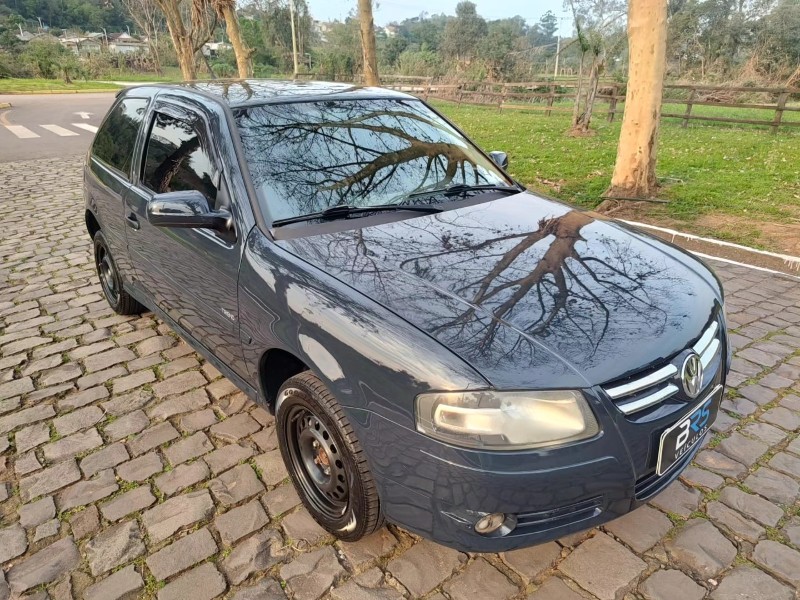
(275, 366)
(92, 224)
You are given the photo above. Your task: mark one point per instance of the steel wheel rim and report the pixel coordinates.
(107, 274)
(317, 463)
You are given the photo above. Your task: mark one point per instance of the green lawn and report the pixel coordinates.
(738, 184)
(168, 74)
(21, 86)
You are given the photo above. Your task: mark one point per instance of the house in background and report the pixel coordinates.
(212, 49)
(82, 45)
(27, 36)
(124, 43)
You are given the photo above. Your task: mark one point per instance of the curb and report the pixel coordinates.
(726, 251)
(5, 105)
(37, 92)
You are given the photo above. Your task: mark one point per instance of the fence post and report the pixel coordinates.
(502, 99)
(550, 99)
(784, 96)
(688, 108)
(460, 93)
(427, 91)
(612, 104)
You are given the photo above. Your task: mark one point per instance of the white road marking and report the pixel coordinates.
(58, 130)
(21, 132)
(85, 126)
(84, 115)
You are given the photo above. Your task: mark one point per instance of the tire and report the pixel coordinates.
(331, 478)
(122, 302)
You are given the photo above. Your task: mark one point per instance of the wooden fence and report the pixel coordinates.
(558, 96)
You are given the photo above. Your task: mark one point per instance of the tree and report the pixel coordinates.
(598, 35)
(150, 21)
(190, 28)
(463, 34)
(368, 42)
(392, 49)
(544, 32)
(226, 10)
(635, 169)
(498, 47)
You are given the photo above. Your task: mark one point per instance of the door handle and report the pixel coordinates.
(132, 221)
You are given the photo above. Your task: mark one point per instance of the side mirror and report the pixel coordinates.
(499, 158)
(187, 209)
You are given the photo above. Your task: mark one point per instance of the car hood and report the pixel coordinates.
(528, 291)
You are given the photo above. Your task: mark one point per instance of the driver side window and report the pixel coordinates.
(178, 159)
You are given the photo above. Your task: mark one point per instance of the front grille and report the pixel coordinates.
(555, 517)
(644, 391)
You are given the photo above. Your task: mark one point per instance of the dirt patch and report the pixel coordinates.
(778, 237)
(781, 263)
(774, 236)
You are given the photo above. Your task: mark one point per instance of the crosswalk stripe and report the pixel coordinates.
(21, 132)
(58, 130)
(85, 126)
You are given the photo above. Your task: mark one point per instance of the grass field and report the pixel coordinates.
(168, 74)
(736, 184)
(22, 86)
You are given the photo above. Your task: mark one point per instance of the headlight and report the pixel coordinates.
(505, 420)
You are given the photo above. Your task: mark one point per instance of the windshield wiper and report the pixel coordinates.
(461, 188)
(342, 211)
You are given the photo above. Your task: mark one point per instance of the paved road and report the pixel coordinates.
(130, 467)
(52, 125)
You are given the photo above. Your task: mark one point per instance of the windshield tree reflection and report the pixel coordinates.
(309, 156)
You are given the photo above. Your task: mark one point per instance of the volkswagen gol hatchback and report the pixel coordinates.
(442, 349)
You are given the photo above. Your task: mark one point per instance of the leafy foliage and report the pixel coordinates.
(85, 15)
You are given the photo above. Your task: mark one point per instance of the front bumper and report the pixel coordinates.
(440, 492)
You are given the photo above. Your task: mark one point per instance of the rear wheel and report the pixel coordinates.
(325, 459)
(122, 302)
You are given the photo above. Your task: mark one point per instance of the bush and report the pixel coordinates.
(419, 62)
(11, 66)
(49, 59)
(264, 71)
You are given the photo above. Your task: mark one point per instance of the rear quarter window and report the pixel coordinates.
(116, 138)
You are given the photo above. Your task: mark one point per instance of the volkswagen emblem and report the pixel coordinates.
(692, 375)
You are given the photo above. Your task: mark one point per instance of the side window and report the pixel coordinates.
(177, 158)
(114, 141)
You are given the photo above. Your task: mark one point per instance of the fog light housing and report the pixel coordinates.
(490, 523)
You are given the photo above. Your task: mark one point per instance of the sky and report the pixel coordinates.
(387, 11)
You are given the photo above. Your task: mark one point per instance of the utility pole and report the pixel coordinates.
(558, 52)
(294, 39)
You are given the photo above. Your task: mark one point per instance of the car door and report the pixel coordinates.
(190, 274)
(109, 171)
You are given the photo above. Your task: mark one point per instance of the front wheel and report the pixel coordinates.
(325, 459)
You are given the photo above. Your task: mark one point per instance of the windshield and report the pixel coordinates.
(306, 157)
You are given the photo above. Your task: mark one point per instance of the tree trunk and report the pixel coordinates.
(368, 42)
(576, 108)
(240, 49)
(180, 39)
(591, 94)
(185, 52)
(295, 59)
(156, 58)
(635, 169)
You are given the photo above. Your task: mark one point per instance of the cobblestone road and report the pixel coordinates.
(130, 468)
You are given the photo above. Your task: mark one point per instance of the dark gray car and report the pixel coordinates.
(441, 348)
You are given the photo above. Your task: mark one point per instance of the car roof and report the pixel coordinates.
(249, 92)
